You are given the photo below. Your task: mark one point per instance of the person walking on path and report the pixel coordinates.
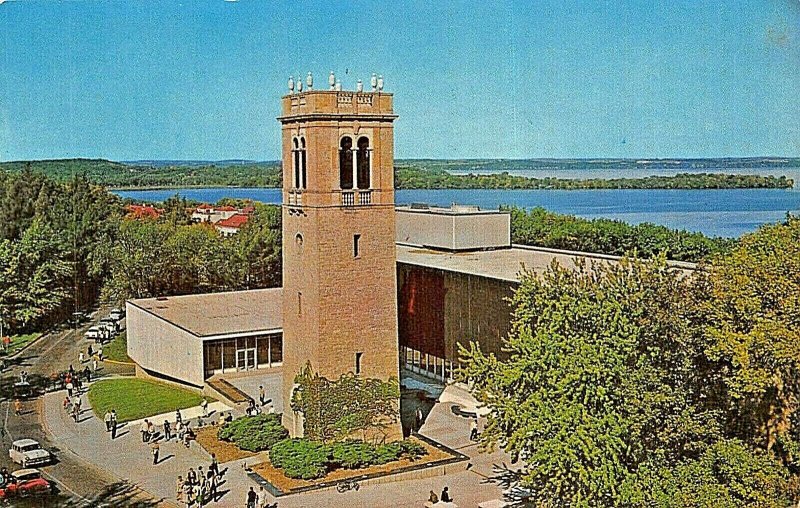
(214, 466)
(179, 490)
(75, 412)
(262, 396)
(262, 498)
(87, 374)
(69, 388)
(418, 419)
(154, 450)
(107, 420)
(251, 498)
(178, 418)
(94, 364)
(167, 431)
(89, 351)
(17, 407)
(113, 425)
(144, 429)
(204, 406)
(191, 476)
(473, 430)
(81, 357)
(151, 430)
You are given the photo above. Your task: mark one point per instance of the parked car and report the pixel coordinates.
(25, 483)
(28, 452)
(93, 333)
(110, 323)
(117, 314)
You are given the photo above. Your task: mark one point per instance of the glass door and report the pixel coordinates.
(245, 359)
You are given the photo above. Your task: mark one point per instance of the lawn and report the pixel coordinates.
(20, 341)
(117, 349)
(135, 398)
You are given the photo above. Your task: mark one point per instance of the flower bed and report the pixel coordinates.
(225, 451)
(254, 433)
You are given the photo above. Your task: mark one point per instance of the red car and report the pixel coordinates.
(25, 483)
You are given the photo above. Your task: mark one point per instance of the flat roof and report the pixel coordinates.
(212, 314)
(502, 264)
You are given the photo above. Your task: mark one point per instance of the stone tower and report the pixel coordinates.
(339, 275)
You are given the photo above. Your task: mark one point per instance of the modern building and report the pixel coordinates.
(190, 338)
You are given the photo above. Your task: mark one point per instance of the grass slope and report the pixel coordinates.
(135, 398)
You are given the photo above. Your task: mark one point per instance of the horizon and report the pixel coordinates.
(558, 80)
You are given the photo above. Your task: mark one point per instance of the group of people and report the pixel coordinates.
(72, 405)
(444, 498)
(258, 499)
(199, 487)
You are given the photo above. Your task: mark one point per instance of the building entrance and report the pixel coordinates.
(246, 359)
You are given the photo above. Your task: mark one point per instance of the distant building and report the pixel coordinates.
(213, 214)
(143, 212)
(232, 224)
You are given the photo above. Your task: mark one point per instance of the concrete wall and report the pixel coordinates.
(162, 348)
(453, 231)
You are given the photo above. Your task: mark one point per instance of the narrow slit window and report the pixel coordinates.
(299, 303)
(358, 362)
(356, 242)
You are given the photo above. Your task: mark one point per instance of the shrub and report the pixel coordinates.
(352, 454)
(254, 433)
(300, 458)
(411, 449)
(307, 459)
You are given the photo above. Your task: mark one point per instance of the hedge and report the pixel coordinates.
(254, 433)
(306, 459)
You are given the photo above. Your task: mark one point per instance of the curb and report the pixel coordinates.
(116, 362)
(31, 343)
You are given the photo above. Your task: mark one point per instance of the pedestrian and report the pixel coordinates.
(17, 407)
(69, 388)
(100, 353)
(262, 397)
(87, 374)
(167, 431)
(178, 418)
(201, 478)
(151, 430)
(75, 412)
(66, 403)
(251, 498)
(445, 497)
(191, 476)
(179, 490)
(113, 425)
(154, 450)
(262, 498)
(433, 498)
(89, 351)
(144, 429)
(214, 467)
(55, 379)
(473, 430)
(81, 357)
(204, 406)
(78, 403)
(418, 418)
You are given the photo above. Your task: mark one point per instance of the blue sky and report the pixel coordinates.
(202, 79)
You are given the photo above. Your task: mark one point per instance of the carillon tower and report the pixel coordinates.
(339, 275)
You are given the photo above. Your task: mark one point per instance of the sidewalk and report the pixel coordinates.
(128, 458)
(214, 410)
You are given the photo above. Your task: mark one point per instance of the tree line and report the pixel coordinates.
(543, 228)
(66, 245)
(409, 174)
(638, 385)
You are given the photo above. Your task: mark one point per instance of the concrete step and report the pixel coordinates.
(223, 390)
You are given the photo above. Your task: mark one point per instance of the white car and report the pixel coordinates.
(27, 453)
(93, 333)
(116, 314)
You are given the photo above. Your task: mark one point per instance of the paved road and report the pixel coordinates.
(77, 479)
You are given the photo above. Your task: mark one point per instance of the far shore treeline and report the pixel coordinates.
(423, 174)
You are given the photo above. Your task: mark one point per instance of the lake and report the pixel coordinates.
(728, 212)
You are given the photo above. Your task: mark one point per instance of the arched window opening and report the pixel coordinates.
(295, 164)
(346, 163)
(303, 177)
(362, 163)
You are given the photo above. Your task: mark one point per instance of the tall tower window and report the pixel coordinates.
(346, 163)
(303, 178)
(356, 241)
(363, 163)
(358, 362)
(295, 163)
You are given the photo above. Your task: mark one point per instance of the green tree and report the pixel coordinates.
(601, 378)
